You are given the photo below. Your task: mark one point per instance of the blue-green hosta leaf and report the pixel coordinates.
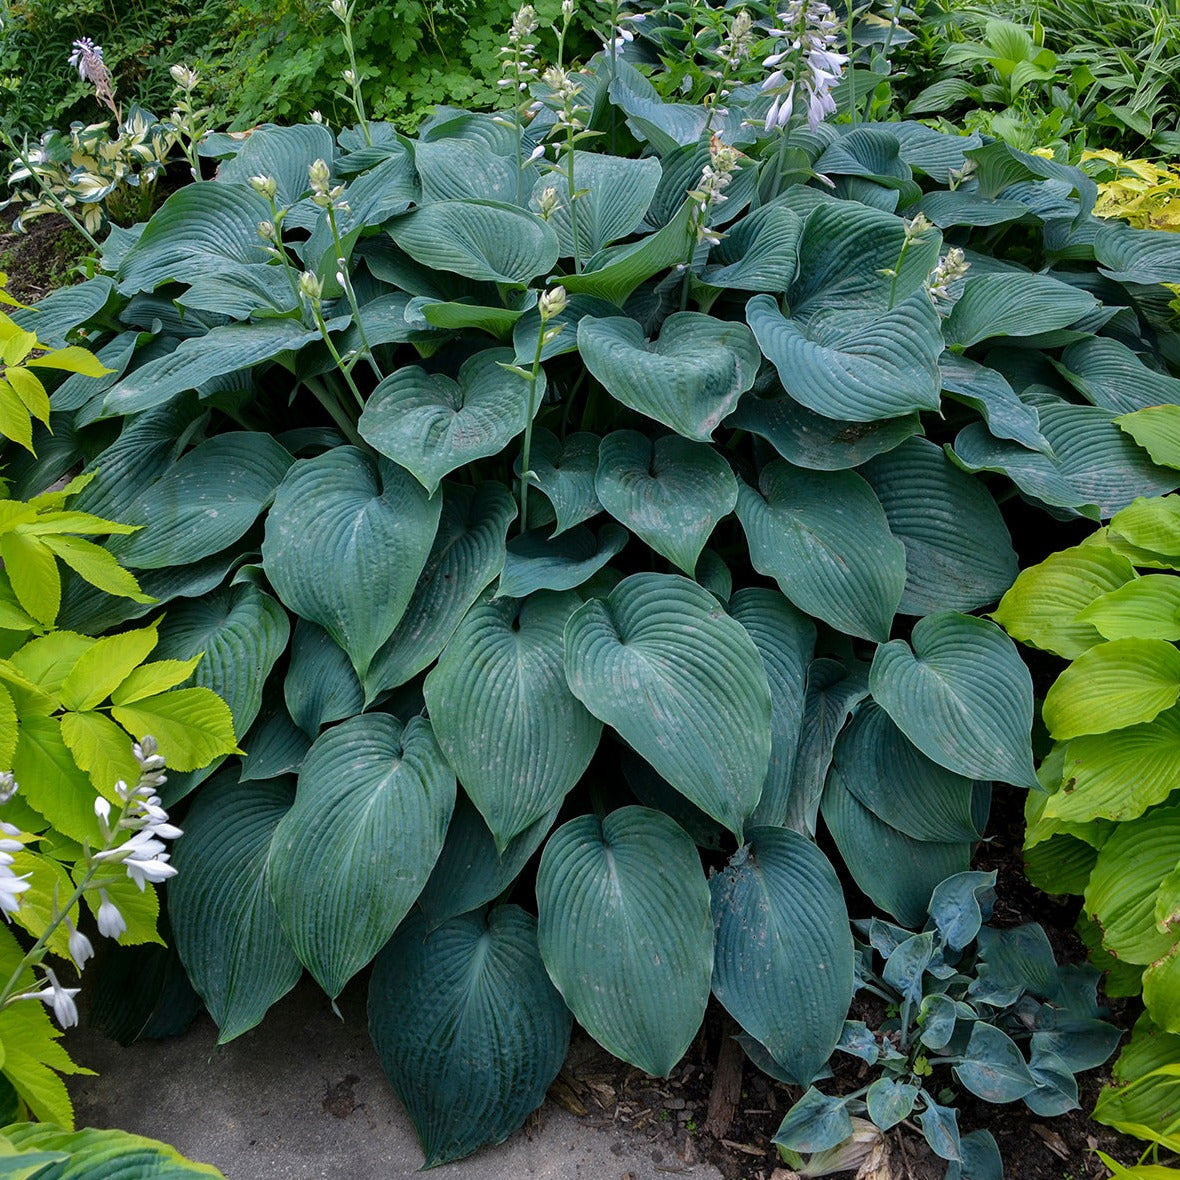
(689, 378)
(962, 695)
(1013, 304)
(669, 492)
(242, 633)
(940, 1128)
(470, 870)
(528, 328)
(1141, 256)
(615, 194)
(479, 240)
(896, 872)
(843, 250)
(228, 348)
(201, 229)
(460, 314)
(275, 745)
(469, 1030)
(937, 154)
(900, 785)
(345, 542)
(1113, 685)
(1107, 373)
(959, 907)
(321, 685)
(999, 167)
(265, 289)
(65, 309)
(664, 124)
(823, 536)
(79, 389)
(564, 471)
(204, 503)
(785, 639)
(536, 562)
(959, 555)
(854, 365)
(283, 153)
(759, 254)
(652, 790)
(468, 552)
(430, 424)
(504, 716)
(807, 439)
(783, 962)
(815, 1123)
(467, 170)
(626, 934)
(682, 682)
(986, 391)
(993, 1066)
(350, 857)
(890, 1100)
(226, 926)
(958, 207)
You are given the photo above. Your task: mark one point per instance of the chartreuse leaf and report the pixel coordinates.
(32, 573)
(101, 749)
(504, 715)
(33, 1060)
(50, 779)
(240, 632)
(430, 424)
(1146, 608)
(855, 365)
(689, 378)
(1013, 304)
(823, 536)
(191, 725)
(1136, 1171)
(48, 886)
(345, 542)
(468, 552)
(478, 239)
(785, 639)
(962, 695)
(900, 785)
(959, 555)
(669, 492)
(1113, 685)
(91, 1154)
(149, 679)
(1161, 990)
(783, 961)
(225, 924)
(8, 724)
(205, 502)
(682, 682)
(468, 1027)
(1119, 775)
(625, 932)
(352, 854)
(1150, 524)
(104, 666)
(97, 566)
(1042, 606)
(1157, 430)
(470, 871)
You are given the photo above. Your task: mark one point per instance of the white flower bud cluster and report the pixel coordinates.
(737, 45)
(520, 51)
(185, 78)
(716, 177)
(565, 88)
(811, 30)
(952, 267)
(320, 177)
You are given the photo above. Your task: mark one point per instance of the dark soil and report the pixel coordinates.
(42, 258)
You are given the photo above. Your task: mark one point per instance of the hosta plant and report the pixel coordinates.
(1108, 829)
(576, 524)
(991, 1004)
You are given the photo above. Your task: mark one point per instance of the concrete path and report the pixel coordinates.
(303, 1097)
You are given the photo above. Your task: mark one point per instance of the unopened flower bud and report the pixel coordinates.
(316, 117)
(266, 231)
(8, 785)
(185, 78)
(264, 186)
(310, 287)
(552, 303)
(340, 10)
(318, 174)
(79, 946)
(350, 77)
(548, 203)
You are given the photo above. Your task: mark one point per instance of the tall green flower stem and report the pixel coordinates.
(914, 231)
(345, 281)
(331, 403)
(352, 76)
(710, 190)
(48, 192)
(519, 71)
(565, 89)
(312, 291)
(733, 51)
(551, 304)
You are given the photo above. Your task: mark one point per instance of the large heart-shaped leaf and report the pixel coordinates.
(898, 784)
(517, 737)
(962, 695)
(689, 378)
(226, 927)
(461, 169)
(1106, 372)
(959, 555)
(625, 932)
(759, 254)
(479, 240)
(282, 153)
(469, 1029)
(468, 552)
(614, 193)
(1014, 304)
(205, 503)
(853, 365)
(564, 471)
(823, 536)
(783, 950)
(352, 854)
(682, 682)
(669, 492)
(345, 542)
(537, 562)
(430, 424)
(785, 639)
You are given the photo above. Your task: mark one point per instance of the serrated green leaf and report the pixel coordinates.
(104, 665)
(192, 726)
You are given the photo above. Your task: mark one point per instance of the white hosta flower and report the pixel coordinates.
(552, 303)
(185, 78)
(80, 946)
(111, 923)
(316, 117)
(809, 62)
(942, 279)
(87, 59)
(11, 886)
(340, 10)
(60, 999)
